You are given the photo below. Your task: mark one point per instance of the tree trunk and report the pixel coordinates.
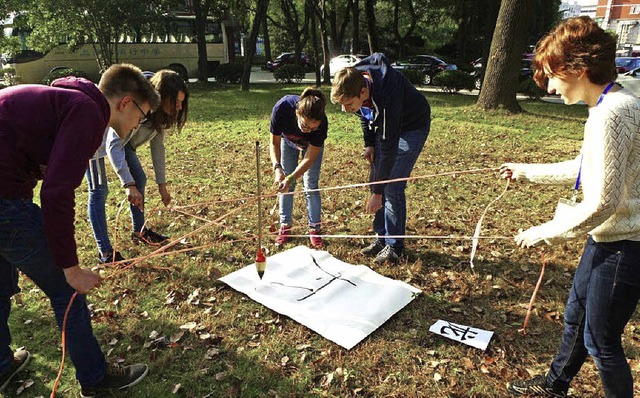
(250, 48)
(491, 17)
(396, 28)
(372, 33)
(503, 65)
(322, 15)
(355, 13)
(267, 41)
(311, 7)
(201, 10)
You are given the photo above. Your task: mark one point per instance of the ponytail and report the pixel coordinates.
(311, 104)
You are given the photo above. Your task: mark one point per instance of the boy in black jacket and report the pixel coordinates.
(395, 120)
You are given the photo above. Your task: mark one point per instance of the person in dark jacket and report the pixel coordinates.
(49, 134)
(395, 120)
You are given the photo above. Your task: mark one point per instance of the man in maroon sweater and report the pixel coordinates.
(49, 134)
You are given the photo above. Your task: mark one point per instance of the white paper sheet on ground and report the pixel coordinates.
(340, 301)
(477, 338)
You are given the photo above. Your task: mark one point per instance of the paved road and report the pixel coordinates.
(263, 76)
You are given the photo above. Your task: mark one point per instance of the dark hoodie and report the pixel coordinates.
(49, 134)
(399, 107)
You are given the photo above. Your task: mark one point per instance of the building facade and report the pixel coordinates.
(623, 18)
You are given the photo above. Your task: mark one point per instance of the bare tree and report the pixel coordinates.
(501, 78)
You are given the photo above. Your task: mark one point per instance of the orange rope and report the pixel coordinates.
(533, 296)
(248, 200)
(64, 345)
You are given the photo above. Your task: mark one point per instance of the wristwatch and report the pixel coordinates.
(277, 166)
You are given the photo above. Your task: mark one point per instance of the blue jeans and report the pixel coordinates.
(98, 191)
(289, 161)
(23, 246)
(137, 172)
(391, 219)
(603, 297)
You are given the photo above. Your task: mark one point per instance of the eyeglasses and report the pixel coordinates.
(145, 116)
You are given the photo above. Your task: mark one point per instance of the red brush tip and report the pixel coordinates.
(260, 256)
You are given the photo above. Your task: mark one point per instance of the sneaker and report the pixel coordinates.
(387, 253)
(21, 359)
(149, 237)
(536, 387)
(316, 241)
(282, 237)
(116, 377)
(373, 249)
(109, 258)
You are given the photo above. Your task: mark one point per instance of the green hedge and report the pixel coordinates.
(529, 88)
(415, 76)
(57, 74)
(289, 73)
(453, 81)
(229, 73)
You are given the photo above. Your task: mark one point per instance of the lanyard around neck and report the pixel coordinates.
(604, 92)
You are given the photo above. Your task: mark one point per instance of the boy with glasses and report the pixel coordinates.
(49, 134)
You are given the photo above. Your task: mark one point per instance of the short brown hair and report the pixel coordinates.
(125, 79)
(311, 104)
(347, 83)
(573, 46)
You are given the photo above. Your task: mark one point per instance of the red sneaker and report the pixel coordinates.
(283, 237)
(316, 241)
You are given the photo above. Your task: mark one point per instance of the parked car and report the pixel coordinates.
(525, 71)
(428, 64)
(341, 61)
(626, 64)
(631, 81)
(289, 58)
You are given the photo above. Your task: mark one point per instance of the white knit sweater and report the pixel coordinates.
(610, 177)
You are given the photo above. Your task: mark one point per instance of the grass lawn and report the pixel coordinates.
(235, 347)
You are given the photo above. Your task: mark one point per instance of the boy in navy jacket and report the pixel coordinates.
(395, 120)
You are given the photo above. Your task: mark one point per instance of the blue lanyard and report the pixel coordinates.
(575, 193)
(364, 111)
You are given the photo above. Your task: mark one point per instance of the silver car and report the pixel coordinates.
(631, 81)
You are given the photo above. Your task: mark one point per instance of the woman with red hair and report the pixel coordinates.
(576, 61)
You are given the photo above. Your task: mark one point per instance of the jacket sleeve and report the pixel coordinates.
(158, 157)
(115, 152)
(66, 167)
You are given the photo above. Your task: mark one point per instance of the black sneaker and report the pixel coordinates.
(20, 361)
(373, 249)
(109, 258)
(117, 377)
(387, 253)
(149, 237)
(536, 387)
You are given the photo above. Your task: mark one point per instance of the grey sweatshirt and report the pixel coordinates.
(115, 152)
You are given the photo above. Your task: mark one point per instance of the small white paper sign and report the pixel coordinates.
(477, 338)
(342, 302)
